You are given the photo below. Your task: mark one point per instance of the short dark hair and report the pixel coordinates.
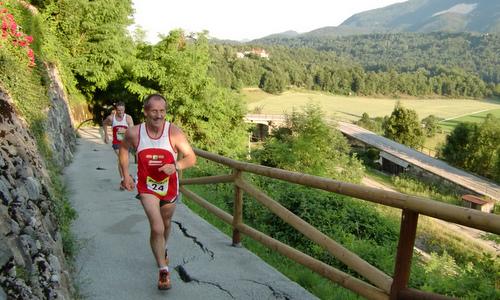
(119, 103)
(153, 97)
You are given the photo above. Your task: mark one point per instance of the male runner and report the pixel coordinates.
(119, 122)
(158, 143)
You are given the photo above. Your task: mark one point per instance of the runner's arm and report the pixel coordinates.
(182, 146)
(126, 143)
(130, 122)
(105, 124)
(180, 143)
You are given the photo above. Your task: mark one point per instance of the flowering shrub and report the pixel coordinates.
(12, 34)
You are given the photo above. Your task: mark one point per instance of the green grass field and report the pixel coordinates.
(449, 124)
(350, 108)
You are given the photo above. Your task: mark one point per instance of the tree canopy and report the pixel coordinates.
(403, 126)
(308, 144)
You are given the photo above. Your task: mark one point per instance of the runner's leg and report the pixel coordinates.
(167, 211)
(118, 163)
(157, 237)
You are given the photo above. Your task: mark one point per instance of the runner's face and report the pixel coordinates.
(120, 111)
(155, 114)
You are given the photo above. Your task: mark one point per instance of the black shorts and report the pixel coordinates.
(117, 146)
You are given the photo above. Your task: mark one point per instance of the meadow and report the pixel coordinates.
(350, 108)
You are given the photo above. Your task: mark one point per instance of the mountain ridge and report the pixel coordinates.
(482, 16)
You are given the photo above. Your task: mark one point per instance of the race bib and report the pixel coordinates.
(158, 187)
(120, 134)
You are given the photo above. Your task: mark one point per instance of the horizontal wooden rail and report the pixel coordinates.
(208, 179)
(460, 215)
(224, 216)
(358, 286)
(374, 275)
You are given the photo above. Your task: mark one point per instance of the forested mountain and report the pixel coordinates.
(404, 43)
(431, 15)
(415, 64)
(480, 16)
(477, 53)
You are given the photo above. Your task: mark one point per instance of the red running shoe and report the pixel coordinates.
(164, 280)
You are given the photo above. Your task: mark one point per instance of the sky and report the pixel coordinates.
(245, 20)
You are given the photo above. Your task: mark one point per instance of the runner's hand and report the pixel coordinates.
(168, 169)
(128, 183)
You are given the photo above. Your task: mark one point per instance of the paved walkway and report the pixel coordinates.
(115, 260)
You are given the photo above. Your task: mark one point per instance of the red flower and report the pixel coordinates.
(13, 26)
(29, 39)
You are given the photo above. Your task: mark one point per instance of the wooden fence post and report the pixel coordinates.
(237, 211)
(402, 268)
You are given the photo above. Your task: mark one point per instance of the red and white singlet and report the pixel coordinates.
(153, 154)
(119, 128)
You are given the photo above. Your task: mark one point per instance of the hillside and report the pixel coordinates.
(481, 16)
(427, 16)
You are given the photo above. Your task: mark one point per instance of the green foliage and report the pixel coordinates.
(431, 125)
(221, 195)
(374, 125)
(177, 68)
(475, 147)
(471, 281)
(366, 65)
(65, 214)
(307, 144)
(409, 52)
(403, 126)
(94, 38)
(433, 190)
(356, 225)
(272, 82)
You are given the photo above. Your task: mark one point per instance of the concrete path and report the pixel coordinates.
(115, 260)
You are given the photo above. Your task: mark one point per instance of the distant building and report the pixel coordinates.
(255, 51)
(260, 52)
(478, 203)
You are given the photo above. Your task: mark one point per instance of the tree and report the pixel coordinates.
(404, 127)
(94, 37)
(431, 125)
(272, 82)
(366, 122)
(177, 67)
(475, 147)
(457, 147)
(307, 144)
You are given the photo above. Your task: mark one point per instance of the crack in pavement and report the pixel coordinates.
(184, 275)
(276, 293)
(195, 240)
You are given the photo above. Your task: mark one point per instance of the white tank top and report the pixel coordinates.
(123, 122)
(152, 154)
(163, 142)
(119, 128)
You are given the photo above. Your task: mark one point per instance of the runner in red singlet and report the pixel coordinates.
(119, 122)
(157, 142)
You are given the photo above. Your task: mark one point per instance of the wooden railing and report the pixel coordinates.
(381, 285)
